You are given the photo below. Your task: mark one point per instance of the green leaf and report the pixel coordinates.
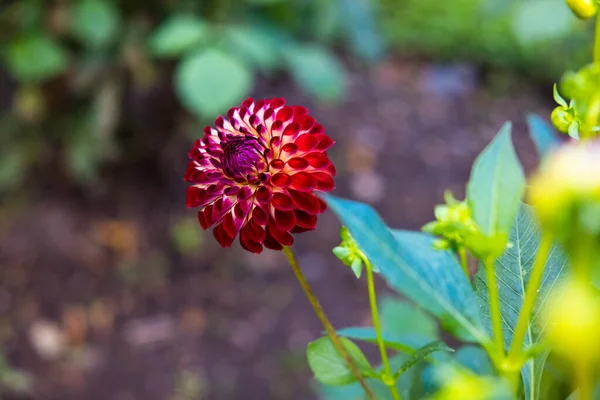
(329, 367)
(317, 71)
(211, 81)
(178, 35)
(512, 272)
(409, 385)
(400, 317)
(32, 59)
(96, 22)
(255, 44)
(361, 28)
(421, 354)
(403, 343)
(496, 185)
(541, 20)
(407, 262)
(542, 134)
(474, 358)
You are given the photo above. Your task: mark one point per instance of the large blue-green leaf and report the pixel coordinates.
(496, 185)
(178, 35)
(402, 318)
(257, 45)
(361, 28)
(512, 272)
(404, 343)
(542, 134)
(317, 71)
(210, 81)
(408, 263)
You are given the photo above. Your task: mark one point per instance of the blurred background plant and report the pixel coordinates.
(71, 64)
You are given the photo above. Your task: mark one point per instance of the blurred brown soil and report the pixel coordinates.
(101, 298)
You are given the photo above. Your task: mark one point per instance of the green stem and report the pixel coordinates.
(533, 287)
(494, 308)
(462, 253)
(597, 40)
(388, 379)
(316, 305)
(584, 380)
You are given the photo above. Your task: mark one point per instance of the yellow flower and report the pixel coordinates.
(460, 383)
(573, 320)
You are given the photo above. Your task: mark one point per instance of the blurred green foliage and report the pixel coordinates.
(540, 38)
(72, 61)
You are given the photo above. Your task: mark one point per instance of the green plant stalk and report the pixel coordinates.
(389, 379)
(584, 380)
(316, 305)
(597, 40)
(496, 316)
(462, 254)
(531, 292)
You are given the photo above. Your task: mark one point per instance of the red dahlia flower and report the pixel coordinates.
(255, 174)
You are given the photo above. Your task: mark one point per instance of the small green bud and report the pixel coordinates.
(561, 119)
(584, 9)
(349, 253)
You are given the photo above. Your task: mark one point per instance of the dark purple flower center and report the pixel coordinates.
(240, 156)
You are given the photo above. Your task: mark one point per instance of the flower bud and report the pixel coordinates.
(573, 320)
(565, 192)
(583, 9)
(349, 253)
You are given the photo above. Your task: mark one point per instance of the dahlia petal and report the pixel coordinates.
(291, 130)
(219, 122)
(249, 245)
(259, 104)
(281, 180)
(263, 194)
(306, 142)
(285, 220)
(268, 114)
(322, 204)
(244, 193)
(277, 164)
(317, 160)
(205, 222)
(316, 129)
(305, 201)
(299, 111)
(271, 243)
(331, 169)
(284, 114)
(298, 163)
(303, 181)
(325, 142)
(282, 237)
(305, 220)
(276, 128)
(221, 207)
(248, 102)
(298, 229)
(259, 216)
(199, 197)
(282, 201)
(277, 102)
(289, 149)
(324, 181)
(254, 231)
(221, 236)
(306, 122)
(232, 190)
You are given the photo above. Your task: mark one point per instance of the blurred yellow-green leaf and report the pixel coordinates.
(34, 58)
(317, 71)
(96, 22)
